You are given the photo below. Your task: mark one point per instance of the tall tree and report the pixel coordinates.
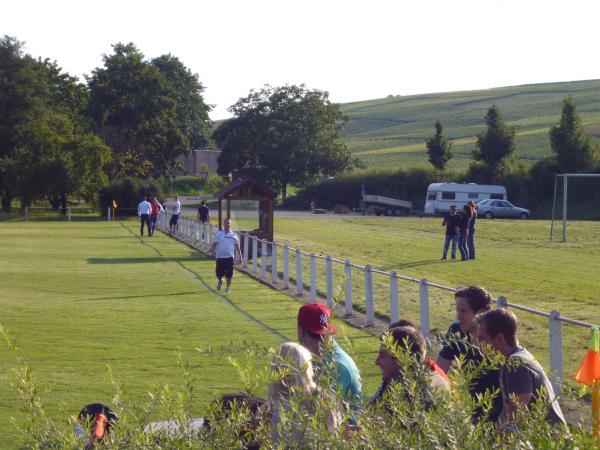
(495, 147)
(283, 136)
(148, 119)
(574, 149)
(439, 148)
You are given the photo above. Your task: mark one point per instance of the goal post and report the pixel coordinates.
(565, 182)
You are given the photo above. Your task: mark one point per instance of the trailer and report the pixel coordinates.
(385, 206)
(441, 196)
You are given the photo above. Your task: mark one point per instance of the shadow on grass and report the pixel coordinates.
(157, 259)
(214, 293)
(129, 297)
(424, 262)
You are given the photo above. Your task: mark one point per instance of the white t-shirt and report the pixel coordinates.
(226, 243)
(176, 207)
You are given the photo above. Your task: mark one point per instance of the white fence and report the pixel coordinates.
(202, 236)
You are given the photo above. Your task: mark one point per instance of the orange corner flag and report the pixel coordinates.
(589, 370)
(114, 204)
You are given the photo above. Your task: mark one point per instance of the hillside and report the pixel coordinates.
(391, 132)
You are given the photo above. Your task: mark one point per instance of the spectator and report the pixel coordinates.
(471, 235)
(523, 381)
(144, 210)
(203, 213)
(410, 341)
(451, 223)
(460, 343)
(174, 217)
(315, 332)
(94, 424)
(225, 248)
(293, 389)
(157, 208)
(463, 227)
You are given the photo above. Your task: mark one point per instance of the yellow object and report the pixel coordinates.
(114, 204)
(596, 411)
(589, 373)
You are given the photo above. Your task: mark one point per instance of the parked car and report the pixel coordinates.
(490, 208)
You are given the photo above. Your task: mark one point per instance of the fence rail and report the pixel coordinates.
(202, 236)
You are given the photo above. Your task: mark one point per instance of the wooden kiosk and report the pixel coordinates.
(249, 190)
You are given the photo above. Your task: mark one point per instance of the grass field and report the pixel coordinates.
(391, 132)
(514, 260)
(82, 296)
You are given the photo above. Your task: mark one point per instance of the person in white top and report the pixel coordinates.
(225, 248)
(144, 210)
(175, 216)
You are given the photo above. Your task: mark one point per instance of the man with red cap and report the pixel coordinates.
(315, 332)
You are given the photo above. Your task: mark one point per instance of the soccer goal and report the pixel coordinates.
(576, 197)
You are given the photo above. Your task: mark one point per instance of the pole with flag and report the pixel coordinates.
(589, 374)
(114, 205)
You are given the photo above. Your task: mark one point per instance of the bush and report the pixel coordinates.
(127, 193)
(346, 189)
(402, 420)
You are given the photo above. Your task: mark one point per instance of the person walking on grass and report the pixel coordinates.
(174, 217)
(451, 222)
(144, 210)
(225, 248)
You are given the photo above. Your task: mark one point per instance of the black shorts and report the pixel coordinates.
(174, 219)
(224, 267)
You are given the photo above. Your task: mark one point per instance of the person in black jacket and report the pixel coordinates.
(451, 222)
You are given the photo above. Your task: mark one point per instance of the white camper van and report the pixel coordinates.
(440, 196)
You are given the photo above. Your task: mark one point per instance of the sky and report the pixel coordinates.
(355, 50)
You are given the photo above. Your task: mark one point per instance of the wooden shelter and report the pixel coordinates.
(246, 189)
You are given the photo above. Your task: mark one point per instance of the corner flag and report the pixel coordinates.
(589, 373)
(114, 204)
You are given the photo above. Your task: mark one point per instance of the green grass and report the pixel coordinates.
(515, 260)
(391, 132)
(82, 296)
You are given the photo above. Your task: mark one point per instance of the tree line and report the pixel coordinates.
(494, 153)
(135, 117)
(61, 138)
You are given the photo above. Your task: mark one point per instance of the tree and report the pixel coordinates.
(495, 147)
(439, 149)
(147, 118)
(574, 149)
(283, 136)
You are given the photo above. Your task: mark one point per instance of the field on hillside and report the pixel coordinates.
(514, 259)
(81, 296)
(391, 132)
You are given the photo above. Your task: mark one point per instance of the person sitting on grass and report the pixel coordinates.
(402, 356)
(315, 332)
(460, 343)
(94, 424)
(523, 381)
(292, 391)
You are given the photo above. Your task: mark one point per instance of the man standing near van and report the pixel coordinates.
(451, 222)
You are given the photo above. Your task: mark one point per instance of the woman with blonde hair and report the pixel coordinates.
(293, 389)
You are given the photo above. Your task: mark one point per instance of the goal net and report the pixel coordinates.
(576, 200)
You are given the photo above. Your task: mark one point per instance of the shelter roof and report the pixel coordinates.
(244, 187)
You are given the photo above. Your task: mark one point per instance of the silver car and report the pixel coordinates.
(491, 208)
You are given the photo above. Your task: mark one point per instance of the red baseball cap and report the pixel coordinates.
(316, 318)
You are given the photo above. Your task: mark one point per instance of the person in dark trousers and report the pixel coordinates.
(460, 342)
(203, 213)
(144, 210)
(225, 248)
(463, 227)
(523, 381)
(451, 222)
(471, 235)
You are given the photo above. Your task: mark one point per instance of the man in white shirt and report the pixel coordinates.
(225, 248)
(174, 216)
(144, 210)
